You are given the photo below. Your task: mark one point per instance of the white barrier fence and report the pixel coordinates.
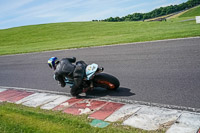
(197, 19)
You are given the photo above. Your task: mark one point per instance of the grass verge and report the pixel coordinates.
(68, 35)
(21, 119)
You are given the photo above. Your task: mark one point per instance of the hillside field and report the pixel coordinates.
(56, 36)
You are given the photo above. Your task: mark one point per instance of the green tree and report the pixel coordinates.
(156, 13)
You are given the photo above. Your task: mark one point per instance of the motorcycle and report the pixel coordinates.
(94, 78)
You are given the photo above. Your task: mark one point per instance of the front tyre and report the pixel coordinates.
(106, 81)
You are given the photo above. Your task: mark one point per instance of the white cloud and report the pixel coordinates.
(48, 8)
(52, 9)
(12, 5)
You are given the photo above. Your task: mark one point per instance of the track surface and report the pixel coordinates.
(165, 72)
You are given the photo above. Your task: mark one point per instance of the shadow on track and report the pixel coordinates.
(101, 92)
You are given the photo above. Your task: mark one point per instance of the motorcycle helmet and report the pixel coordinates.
(52, 62)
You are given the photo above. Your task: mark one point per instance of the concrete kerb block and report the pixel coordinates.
(124, 112)
(152, 118)
(187, 123)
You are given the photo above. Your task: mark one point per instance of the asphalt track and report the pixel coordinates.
(164, 72)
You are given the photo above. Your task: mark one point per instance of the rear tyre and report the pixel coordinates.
(106, 81)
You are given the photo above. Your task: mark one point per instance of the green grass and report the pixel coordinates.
(21, 119)
(68, 35)
(191, 13)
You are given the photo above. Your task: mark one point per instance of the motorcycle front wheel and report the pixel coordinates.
(106, 81)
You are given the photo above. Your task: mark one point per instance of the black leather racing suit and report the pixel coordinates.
(65, 68)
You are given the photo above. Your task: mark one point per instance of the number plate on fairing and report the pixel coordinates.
(90, 70)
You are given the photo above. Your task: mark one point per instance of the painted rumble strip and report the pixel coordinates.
(55, 102)
(13, 95)
(105, 111)
(85, 107)
(67, 104)
(134, 115)
(19, 97)
(5, 94)
(40, 99)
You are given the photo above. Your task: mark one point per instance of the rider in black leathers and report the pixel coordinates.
(66, 68)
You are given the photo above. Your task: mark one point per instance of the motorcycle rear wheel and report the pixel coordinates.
(106, 81)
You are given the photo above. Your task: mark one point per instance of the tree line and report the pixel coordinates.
(155, 13)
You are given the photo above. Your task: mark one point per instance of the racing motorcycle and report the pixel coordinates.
(94, 78)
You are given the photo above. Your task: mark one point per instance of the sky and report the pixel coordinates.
(15, 13)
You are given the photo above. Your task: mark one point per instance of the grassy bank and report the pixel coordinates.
(21, 119)
(85, 34)
(191, 13)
